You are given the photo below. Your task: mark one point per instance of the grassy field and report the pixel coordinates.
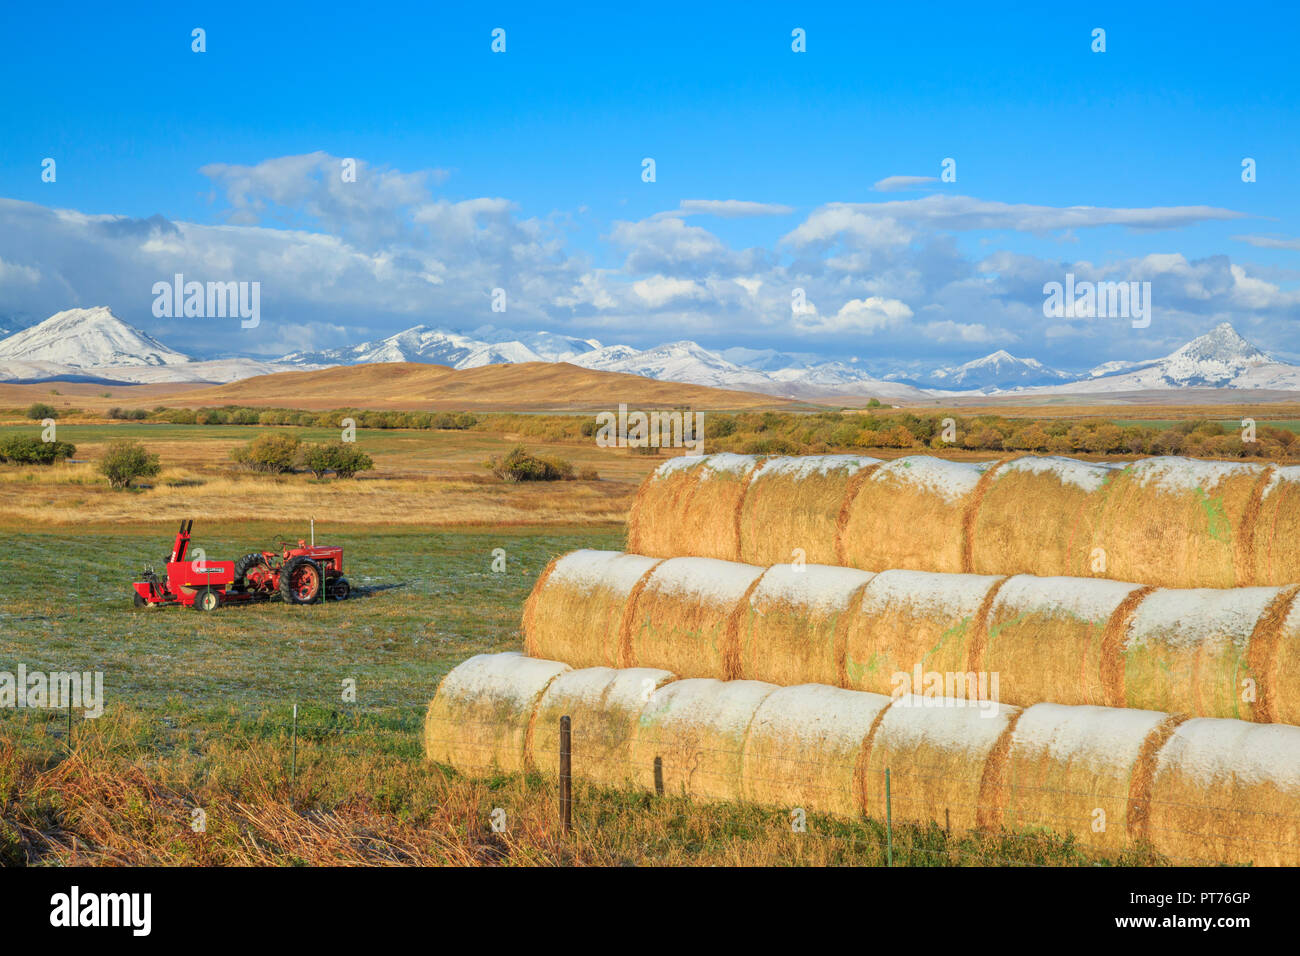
(199, 715)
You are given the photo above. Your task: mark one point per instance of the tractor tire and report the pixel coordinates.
(300, 581)
(340, 589)
(207, 600)
(139, 601)
(246, 564)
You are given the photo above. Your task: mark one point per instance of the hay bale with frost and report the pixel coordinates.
(1188, 651)
(795, 503)
(1037, 516)
(1275, 538)
(1228, 791)
(695, 730)
(692, 509)
(1179, 522)
(944, 757)
(685, 617)
(1048, 639)
(911, 619)
(1070, 769)
(804, 749)
(909, 514)
(479, 720)
(576, 610)
(604, 706)
(791, 630)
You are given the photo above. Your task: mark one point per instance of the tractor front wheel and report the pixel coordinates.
(300, 581)
(340, 589)
(139, 601)
(208, 600)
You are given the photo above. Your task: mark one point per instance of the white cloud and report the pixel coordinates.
(902, 183)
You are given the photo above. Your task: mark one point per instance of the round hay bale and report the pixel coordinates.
(686, 616)
(692, 508)
(946, 760)
(1227, 791)
(694, 732)
(1279, 669)
(909, 514)
(604, 706)
(791, 630)
(1179, 522)
(805, 747)
(1036, 516)
(1188, 651)
(911, 622)
(1275, 541)
(576, 610)
(1049, 639)
(1070, 770)
(480, 719)
(795, 503)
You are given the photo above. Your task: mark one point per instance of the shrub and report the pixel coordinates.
(126, 460)
(274, 454)
(343, 458)
(28, 450)
(39, 410)
(519, 465)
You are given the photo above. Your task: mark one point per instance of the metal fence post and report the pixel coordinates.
(566, 774)
(293, 767)
(889, 823)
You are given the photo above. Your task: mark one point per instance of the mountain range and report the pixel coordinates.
(94, 345)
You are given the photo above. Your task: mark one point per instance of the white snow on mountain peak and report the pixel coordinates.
(87, 339)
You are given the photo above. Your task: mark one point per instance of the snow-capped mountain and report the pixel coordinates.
(486, 346)
(1000, 370)
(1219, 359)
(86, 339)
(94, 345)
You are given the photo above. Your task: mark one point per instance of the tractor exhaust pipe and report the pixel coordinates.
(313, 532)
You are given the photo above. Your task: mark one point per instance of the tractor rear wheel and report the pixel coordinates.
(247, 563)
(300, 581)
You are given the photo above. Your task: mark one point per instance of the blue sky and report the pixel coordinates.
(522, 170)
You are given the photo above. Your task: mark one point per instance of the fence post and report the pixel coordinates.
(69, 723)
(566, 774)
(889, 823)
(293, 767)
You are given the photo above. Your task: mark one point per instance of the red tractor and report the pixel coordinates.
(300, 575)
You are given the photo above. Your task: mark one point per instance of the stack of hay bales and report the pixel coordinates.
(1035, 643)
(1196, 791)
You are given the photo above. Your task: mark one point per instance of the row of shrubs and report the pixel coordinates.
(281, 454)
(243, 415)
